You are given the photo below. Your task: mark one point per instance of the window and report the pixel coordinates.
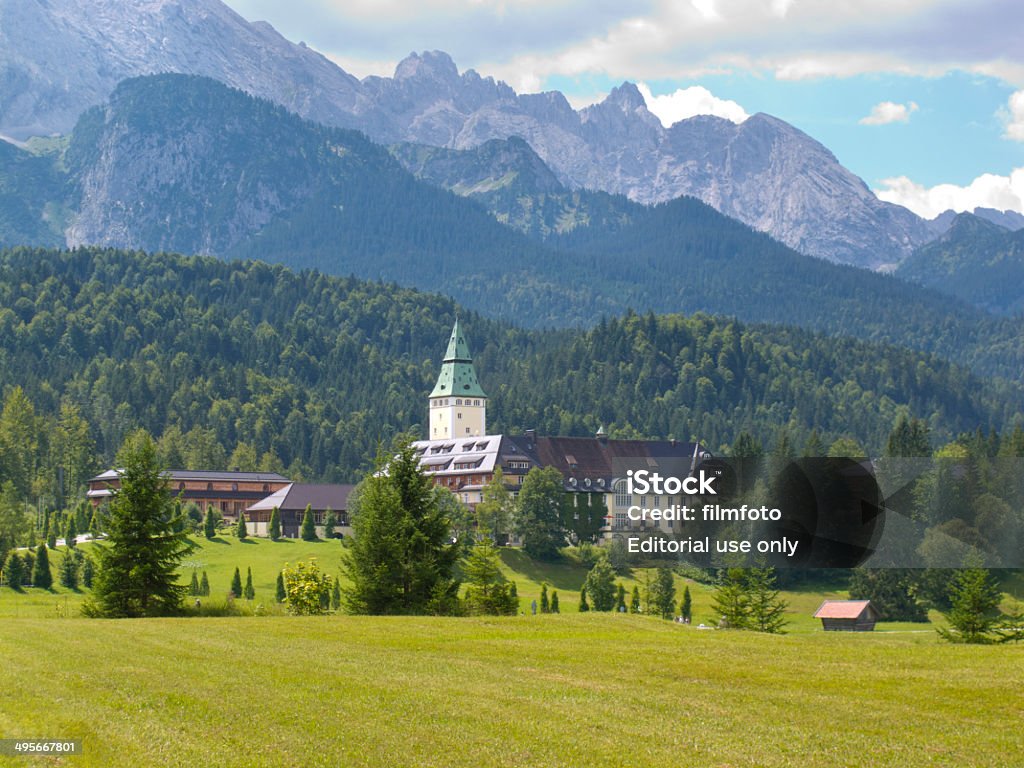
(476, 402)
(620, 521)
(621, 495)
(467, 430)
(209, 486)
(460, 414)
(234, 486)
(266, 488)
(458, 402)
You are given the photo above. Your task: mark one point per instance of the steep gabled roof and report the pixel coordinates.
(843, 609)
(457, 377)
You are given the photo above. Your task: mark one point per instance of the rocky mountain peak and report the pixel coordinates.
(429, 66)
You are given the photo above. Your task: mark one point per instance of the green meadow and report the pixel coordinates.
(548, 690)
(568, 690)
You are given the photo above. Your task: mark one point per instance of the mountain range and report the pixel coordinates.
(762, 171)
(184, 163)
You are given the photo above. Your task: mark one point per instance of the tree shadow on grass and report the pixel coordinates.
(559, 574)
(218, 540)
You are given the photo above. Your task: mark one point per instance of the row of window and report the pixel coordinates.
(458, 401)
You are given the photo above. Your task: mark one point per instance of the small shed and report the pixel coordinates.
(847, 615)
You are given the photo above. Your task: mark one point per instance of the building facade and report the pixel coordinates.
(228, 493)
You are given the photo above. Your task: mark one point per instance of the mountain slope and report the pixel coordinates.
(317, 370)
(976, 261)
(59, 57)
(241, 177)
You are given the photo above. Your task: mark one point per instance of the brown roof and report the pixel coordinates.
(842, 609)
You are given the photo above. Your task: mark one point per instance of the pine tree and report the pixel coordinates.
(584, 606)
(241, 530)
(308, 525)
(41, 575)
(204, 585)
(545, 605)
(731, 601)
(402, 558)
(14, 571)
(620, 599)
(236, 583)
(487, 591)
(275, 524)
(975, 598)
(88, 573)
(209, 524)
(634, 600)
(138, 565)
(330, 523)
(686, 609)
(68, 571)
(193, 587)
(29, 560)
(249, 592)
(765, 608)
(71, 533)
(51, 534)
(281, 594)
(663, 593)
(554, 601)
(336, 595)
(600, 584)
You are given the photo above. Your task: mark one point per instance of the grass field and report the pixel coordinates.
(220, 556)
(569, 690)
(575, 689)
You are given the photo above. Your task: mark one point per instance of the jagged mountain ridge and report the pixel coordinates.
(763, 172)
(241, 177)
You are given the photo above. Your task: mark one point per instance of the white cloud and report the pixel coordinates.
(687, 102)
(1004, 193)
(887, 112)
(1015, 117)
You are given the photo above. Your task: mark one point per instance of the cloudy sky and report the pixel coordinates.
(924, 99)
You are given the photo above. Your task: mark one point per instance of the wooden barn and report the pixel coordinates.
(847, 616)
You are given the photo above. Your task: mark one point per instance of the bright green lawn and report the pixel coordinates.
(570, 690)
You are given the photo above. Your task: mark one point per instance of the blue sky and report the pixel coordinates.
(924, 99)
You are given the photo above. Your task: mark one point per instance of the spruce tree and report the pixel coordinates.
(68, 571)
(663, 593)
(765, 609)
(193, 588)
(336, 595)
(402, 558)
(487, 591)
(600, 584)
(71, 533)
(138, 564)
(249, 592)
(241, 530)
(584, 606)
(14, 571)
(51, 534)
(620, 599)
(204, 585)
(41, 575)
(686, 609)
(634, 600)
(330, 523)
(975, 597)
(545, 605)
(88, 573)
(275, 524)
(209, 524)
(554, 601)
(308, 525)
(236, 583)
(731, 601)
(281, 594)
(29, 560)
(94, 524)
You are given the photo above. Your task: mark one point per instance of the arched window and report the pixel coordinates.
(622, 494)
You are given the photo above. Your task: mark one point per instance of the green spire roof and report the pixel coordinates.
(457, 378)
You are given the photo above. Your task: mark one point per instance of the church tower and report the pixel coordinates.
(458, 405)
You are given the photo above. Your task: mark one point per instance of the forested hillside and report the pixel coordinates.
(257, 365)
(187, 164)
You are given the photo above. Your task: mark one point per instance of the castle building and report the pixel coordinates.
(460, 456)
(458, 405)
